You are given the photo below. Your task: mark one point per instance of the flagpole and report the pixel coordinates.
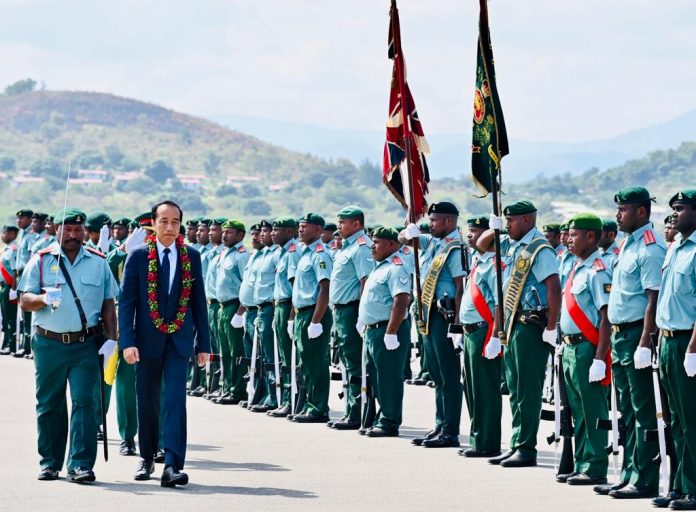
(496, 193)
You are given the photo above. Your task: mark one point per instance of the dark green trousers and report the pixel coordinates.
(56, 366)
(525, 361)
(314, 355)
(9, 319)
(126, 408)
(281, 315)
(385, 368)
(637, 405)
(249, 328)
(485, 403)
(588, 403)
(213, 378)
(350, 351)
(265, 321)
(445, 371)
(231, 349)
(681, 390)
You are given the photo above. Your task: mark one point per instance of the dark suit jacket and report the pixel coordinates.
(136, 327)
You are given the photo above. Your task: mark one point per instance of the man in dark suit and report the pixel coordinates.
(163, 319)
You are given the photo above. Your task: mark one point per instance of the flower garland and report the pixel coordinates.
(186, 281)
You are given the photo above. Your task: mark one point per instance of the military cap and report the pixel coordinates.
(265, 224)
(71, 216)
(205, 222)
(370, 228)
(96, 220)
(313, 218)
(424, 227)
(668, 220)
(553, 227)
(610, 225)
(587, 221)
(144, 219)
(255, 227)
(24, 213)
(234, 224)
(444, 207)
(50, 218)
(350, 212)
(133, 224)
(285, 222)
(523, 207)
(385, 233)
(564, 227)
(633, 195)
(11, 228)
(336, 233)
(192, 223)
(123, 221)
(687, 196)
(330, 226)
(218, 220)
(39, 215)
(477, 222)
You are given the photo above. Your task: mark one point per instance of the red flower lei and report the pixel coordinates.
(186, 281)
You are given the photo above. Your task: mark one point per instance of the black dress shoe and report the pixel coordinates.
(500, 458)
(159, 457)
(172, 477)
(346, 424)
(330, 424)
(48, 474)
(311, 418)
(81, 476)
(243, 403)
(688, 502)
(280, 412)
(199, 391)
(29, 356)
(585, 479)
(259, 408)
(664, 501)
(127, 447)
(519, 460)
(19, 353)
(604, 490)
(418, 381)
(144, 470)
(418, 441)
(474, 453)
(430, 384)
(442, 440)
(5, 352)
(563, 477)
(380, 432)
(631, 492)
(227, 400)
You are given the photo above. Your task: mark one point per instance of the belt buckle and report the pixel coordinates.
(567, 340)
(615, 328)
(669, 334)
(65, 338)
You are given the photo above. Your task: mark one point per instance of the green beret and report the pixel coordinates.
(11, 228)
(564, 227)
(205, 222)
(668, 220)
(123, 221)
(330, 226)
(633, 195)
(477, 222)
(610, 225)
(50, 218)
(71, 216)
(234, 224)
(554, 227)
(265, 224)
(193, 223)
(385, 233)
(255, 227)
(424, 227)
(687, 196)
(144, 219)
(24, 213)
(96, 220)
(519, 208)
(133, 224)
(313, 218)
(218, 220)
(336, 233)
(445, 207)
(285, 222)
(350, 212)
(587, 221)
(39, 215)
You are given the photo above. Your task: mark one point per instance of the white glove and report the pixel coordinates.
(495, 222)
(13, 294)
(493, 348)
(104, 239)
(107, 350)
(411, 231)
(598, 370)
(690, 364)
(456, 338)
(136, 239)
(314, 330)
(291, 328)
(642, 358)
(549, 336)
(237, 321)
(52, 297)
(391, 341)
(360, 327)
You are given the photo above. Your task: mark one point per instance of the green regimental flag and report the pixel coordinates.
(489, 142)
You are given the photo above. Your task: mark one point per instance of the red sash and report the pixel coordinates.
(9, 278)
(482, 307)
(586, 327)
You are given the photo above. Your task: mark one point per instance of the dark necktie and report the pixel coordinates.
(166, 269)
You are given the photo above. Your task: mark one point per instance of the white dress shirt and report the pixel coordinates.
(173, 255)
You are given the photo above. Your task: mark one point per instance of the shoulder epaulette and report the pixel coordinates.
(598, 264)
(320, 248)
(502, 264)
(448, 240)
(649, 237)
(397, 261)
(615, 250)
(406, 250)
(241, 249)
(13, 247)
(292, 248)
(623, 241)
(46, 250)
(94, 251)
(361, 240)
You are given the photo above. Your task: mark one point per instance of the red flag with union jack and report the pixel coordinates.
(410, 185)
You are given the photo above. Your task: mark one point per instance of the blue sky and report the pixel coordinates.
(567, 71)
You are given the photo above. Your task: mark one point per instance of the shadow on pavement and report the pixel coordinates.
(216, 465)
(152, 487)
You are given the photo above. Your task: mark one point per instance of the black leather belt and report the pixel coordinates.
(673, 334)
(282, 301)
(378, 325)
(228, 302)
(469, 328)
(573, 339)
(213, 301)
(341, 306)
(304, 308)
(626, 326)
(265, 304)
(69, 337)
(531, 317)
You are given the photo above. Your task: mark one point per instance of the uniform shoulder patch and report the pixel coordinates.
(615, 250)
(361, 240)
(607, 288)
(407, 250)
(241, 249)
(397, 261)
(598, 264)
(94, 251)
(320, 248)
(47, 250)
(13, 247)
(292, 248)
(623, 241)
(448, 240)
(322, 264)
(649, 237)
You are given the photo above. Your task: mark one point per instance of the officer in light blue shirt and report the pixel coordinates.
(608, 245)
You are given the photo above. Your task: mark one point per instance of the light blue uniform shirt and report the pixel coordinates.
(91, 277)
(43, 241)
(286, 267)
(566, 262)
(29, 238)
(205, 258)
(452, 268)
(637, 269)
(590, 287)
(676, 305)
(389, 278)
(484, 277)
(210, 276)
(545, 265)
(351, 263)
(407, 255)
(610, 256)
(265, 280)
(314, 266)
(246, 291)
(9, 260)
(230, 271)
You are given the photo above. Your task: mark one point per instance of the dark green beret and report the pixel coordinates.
(96, 220)
(144, 219)
(445, 207)
(564, 227)
(123, 221)
(610, 225)
(24, 213)
(205, 222)
(519, 208)
(385, 233)
(39, 215)
(192, 223)
(687, 196)
(313, 218)
(133, 225)
(587, 221)
(218, 220)
(633, 195)
(255, 227)
(477, 222)
(234, 224)
(554, 227)
(285, 222)
(350, 212)
(11, 228)
(336, 233)
(668, 220)
(50, 218)
(71, 216)
(265, 224)
(424, 227)
(330, 226)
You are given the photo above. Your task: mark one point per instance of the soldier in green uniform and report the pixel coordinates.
(607, 243)
(586, 350)
(352, 264)
(98, 229)
(676, 313)
(192, 232)
(8, 293)
(119, 230)
(312, 324)
(24, 236)
(566, 260)
(384, 322)
(442, 284)
(670, 231)
(423, 377)
(632, 303)
(46, 237)
(66, 345)
(203, 237)
(552, 232)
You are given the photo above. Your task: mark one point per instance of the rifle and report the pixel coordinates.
(102, 397)
(251, 385)
(617, 427)
(276, 369)
(563, 420)
(367, 396)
